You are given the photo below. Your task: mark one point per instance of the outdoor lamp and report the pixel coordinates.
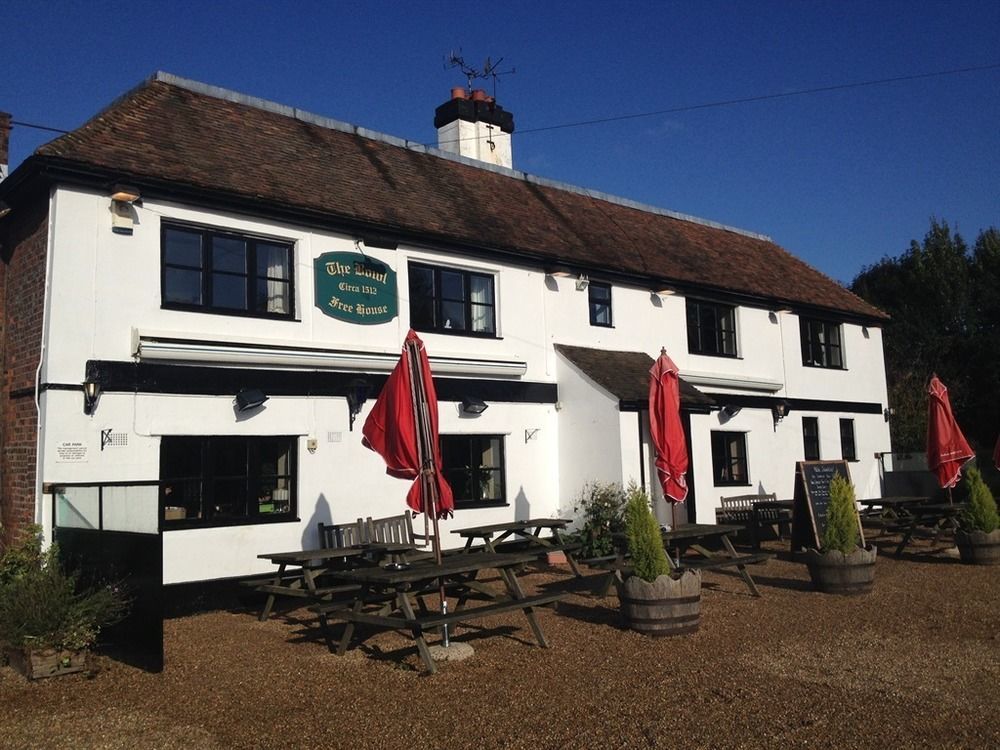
(91, 392)
(249, 398)
(122, 214)
(125, 193)
(582, 282)
(473, 405)
(731, 411)
(780, 410)
(357, 394)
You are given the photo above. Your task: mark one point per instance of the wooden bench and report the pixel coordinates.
(398, 530)
(431, 620)
(740, 510)
(337, 535)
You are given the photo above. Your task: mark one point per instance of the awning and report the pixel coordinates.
(626, 375)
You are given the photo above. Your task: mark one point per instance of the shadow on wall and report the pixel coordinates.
(522, 508)
(320, 514)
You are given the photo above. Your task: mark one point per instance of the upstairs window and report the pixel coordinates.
(810, 438)
(729, 459)
(222, 272)
(711, 328)
(599, 301)
(474, 467)
(821, 344)
(226, 481)
(449, 300)
(847, 447)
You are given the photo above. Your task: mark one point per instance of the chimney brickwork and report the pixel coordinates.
(4, 145)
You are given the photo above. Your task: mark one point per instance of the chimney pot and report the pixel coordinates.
(458, 92)
(478, 95)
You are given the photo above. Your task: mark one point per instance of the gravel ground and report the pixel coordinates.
(914, 664)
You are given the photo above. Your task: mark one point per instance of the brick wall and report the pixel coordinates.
(22, 296)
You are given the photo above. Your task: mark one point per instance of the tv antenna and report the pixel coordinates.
(488, 70)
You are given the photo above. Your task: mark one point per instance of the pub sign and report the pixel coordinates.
(355, 288)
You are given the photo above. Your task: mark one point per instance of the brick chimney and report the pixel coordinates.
(4, 144)
(472, 124)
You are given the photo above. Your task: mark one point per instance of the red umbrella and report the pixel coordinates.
(947, 449)
(665, 428)
(403, 429)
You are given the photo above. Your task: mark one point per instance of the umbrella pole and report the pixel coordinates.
(427, 469)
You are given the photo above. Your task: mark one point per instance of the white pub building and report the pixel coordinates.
(203, 293)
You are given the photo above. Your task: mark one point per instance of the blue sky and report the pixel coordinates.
(840, 178)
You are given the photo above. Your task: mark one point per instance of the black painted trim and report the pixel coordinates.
(798, 404)
(145, 377)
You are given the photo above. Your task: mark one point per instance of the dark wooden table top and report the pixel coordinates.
(895, 501)
(531, 523)
(700, 531)
(329, 553)
(425, 570)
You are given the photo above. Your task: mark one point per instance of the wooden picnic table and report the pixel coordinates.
(299, 571)
(528, 533)
(906, 514)
(770, 513)
(693, 537)
(385, 597)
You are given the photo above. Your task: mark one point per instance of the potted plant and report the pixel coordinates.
(48, 621)
(842, 566)
(978, 538)
(654, 599)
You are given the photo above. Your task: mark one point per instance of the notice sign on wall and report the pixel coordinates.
(355, 288)
(71, 452)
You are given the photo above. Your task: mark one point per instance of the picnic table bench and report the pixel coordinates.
(391, 592)
(678, 541)
(907, 514)
(526, 535)
(754, 513)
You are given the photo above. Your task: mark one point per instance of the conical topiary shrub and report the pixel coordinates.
(978, 540)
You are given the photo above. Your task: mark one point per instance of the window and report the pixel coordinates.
(711, 328)
(447, 300)
(847, 448)
(221, 481)
(221, 272)
(599, 299)
(474, 467)
(810, 438)
(821, 345)
(729, 458)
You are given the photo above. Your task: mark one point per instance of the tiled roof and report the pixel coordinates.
(625, 374)
(195, 137)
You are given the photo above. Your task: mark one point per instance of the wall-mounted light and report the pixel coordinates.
(380, 241)
(779, 410)
(91, 392)
(888, 413)
(357, 394)
(249, 398)
(582, 282)
(665, 291)
(473, 405)
(558, 271)
(731, 411)
(123, 215)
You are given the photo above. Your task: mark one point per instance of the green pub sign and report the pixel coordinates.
(355, 288)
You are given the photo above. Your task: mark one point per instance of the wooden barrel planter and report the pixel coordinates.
(667, 606)
(978, 547)
(836, 573)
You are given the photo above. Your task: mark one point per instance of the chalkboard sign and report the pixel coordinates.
(812, 498)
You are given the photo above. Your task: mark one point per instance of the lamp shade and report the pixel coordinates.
(473, 405)
(249, 398)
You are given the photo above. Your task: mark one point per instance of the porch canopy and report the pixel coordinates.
(626, 375)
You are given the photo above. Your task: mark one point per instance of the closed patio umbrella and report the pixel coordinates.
(947, 449)
(666, 431)
(403, 428)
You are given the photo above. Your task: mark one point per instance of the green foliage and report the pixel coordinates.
(944, 302)
(42, 606)
(981, 513)
(602, 507)
(645, 546)
(23, 554)
(841, 518)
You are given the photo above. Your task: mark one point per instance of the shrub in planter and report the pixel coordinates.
(978, 539)
(654, 600)
(842, 566)
(602, 506)
(47, 619)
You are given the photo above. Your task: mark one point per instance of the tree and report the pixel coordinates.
(945, 306)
